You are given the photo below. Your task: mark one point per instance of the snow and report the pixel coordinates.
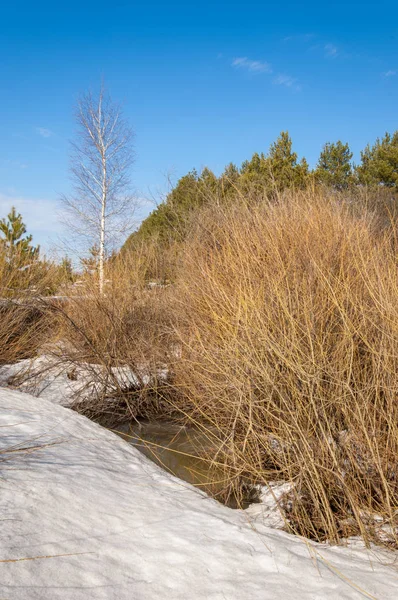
(43, 377)
(100, 521)
(268, 510)
(48, 377)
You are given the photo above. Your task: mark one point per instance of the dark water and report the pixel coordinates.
(179, 450)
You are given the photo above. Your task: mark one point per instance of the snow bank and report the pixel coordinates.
(62, 382)
(100, 521)
(44, 377)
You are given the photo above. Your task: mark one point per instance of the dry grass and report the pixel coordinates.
(288, 320)
(25, 321)
(23, 330)
(126, 329)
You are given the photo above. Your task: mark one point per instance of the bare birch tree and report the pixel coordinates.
(100, 208)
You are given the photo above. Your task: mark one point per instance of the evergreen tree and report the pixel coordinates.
(379, 163)
(283, 165)
(231, 172)
(334, 166)
(186, 197)
(254, 166)
(14, 243)
(229, 180)
(161, 225)
(66, 269)
(170, 220)
(91, 262)
(208, 180)
(255, 174)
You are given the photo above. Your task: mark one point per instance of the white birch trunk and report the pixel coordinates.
(102, 232)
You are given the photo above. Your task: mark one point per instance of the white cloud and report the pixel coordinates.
(253, 66)
(390, 73)
(45, 133)
(287, 81)
(331, 50)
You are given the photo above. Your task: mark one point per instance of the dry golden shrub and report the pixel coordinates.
(127, 327)
(25, 315)
(288, 324)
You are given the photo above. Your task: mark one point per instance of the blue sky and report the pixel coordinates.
(202, 84)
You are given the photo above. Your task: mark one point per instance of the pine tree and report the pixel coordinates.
(283, 165)
(66, 269)
(91, 262)
(231, 172)
(15, 245)
(170, 220)
(379, 163)
(334, 166)
(229, 180)
(255, 174)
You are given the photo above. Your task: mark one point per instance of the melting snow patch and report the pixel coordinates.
(267, 510)
(61, 382)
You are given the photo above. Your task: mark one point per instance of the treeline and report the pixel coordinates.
(271, 174)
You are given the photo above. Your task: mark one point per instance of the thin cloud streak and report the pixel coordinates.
(253, 66)
(331, 50)
(287, 81)
(43, 132)
(390, 73)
